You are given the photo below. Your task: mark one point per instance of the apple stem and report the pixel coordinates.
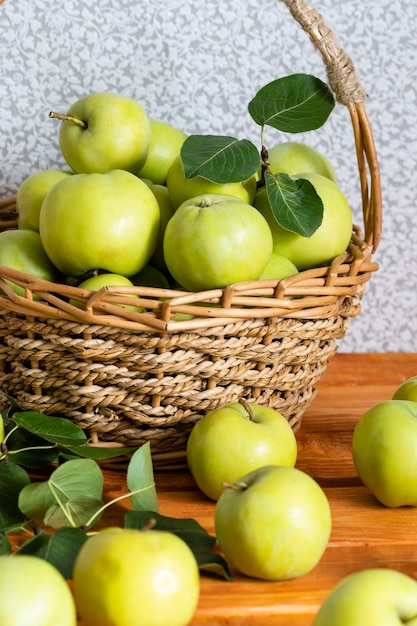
(67, 118)
(237, 486)
(247, 406)
(149, 524)
(264, 166)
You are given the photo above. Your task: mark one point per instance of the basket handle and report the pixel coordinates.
(344, 82)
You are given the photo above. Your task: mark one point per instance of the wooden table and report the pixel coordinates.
(364, 534)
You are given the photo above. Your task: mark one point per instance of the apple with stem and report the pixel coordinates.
(126, 577)
(384, 451)
(31, 193)
(32, 591)
(104, 131)
(107, 222)
(274, 523)
(234, 439)
(371, 597)
(215, 240)
(164, 147)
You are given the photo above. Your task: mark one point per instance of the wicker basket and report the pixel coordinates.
(128, 377)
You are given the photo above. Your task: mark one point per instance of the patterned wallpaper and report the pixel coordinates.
(196, 64)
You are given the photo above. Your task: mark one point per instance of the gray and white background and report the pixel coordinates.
(195, 64)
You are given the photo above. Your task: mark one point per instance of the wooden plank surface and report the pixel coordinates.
(364, 534)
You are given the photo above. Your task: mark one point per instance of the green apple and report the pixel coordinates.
(371, 597)
(164, 148)
(128, 577)
(407, 390)
(181, 189)
(95, 283)
(167, 211)
(274, 523)
(214, 240)
(278, 267)
(23, 250)
(384, 450)
(292, 157)
(31, 193)
(32, 591)
(100, 221)
(234, 439)
(330, 239)
(104, 131)
(150, 276)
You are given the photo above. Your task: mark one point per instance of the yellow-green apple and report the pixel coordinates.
(31, 193)
(407, 390)
(32, 591)
(95, 283)
(234, 439)
(165, 146)
(214, 240)
(104, 131)
(150, 276)
(23, 250)
(384, 450)
(167, 211)
(126, 577)
(274, 523)
(278, 267)
(371, 597)
(100, 221)
(330, 239)
(292, 157)
(181, 189)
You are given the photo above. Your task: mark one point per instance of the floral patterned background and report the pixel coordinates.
(196, 64)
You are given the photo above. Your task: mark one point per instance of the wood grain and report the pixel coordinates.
(365, 534)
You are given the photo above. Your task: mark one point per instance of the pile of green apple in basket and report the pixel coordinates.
(272, 521)
(142, 203)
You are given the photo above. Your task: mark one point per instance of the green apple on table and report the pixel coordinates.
(181, 189)
(292, 157)
(32, 591)
(104, 131)
(31, 193)
(407, 390)
(234, 439)
(384, 451)
(215, 240)
(125, 577)
(371, 597)
(23, 250)
(165, 146)
(100, 221)
(330, 239)
(95, 283)
(274, 523)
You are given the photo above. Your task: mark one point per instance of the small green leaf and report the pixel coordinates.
(77, 512)
(27, 449)
(56, 430)
(294, 203)
(13, 479)
(293, 104)
(35, 500)
(5, 545)
(99, 454)
(219, 159)
(140, 480)
(190, 531)
(60, 549)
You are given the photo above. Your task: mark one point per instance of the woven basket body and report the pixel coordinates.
(128, 377)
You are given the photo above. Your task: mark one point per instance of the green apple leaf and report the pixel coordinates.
(5, 545)
(293, 104)
(70, 497)
(56, 430)
(25, 448)
(140, 480)
(13, 479)
(99, 454)
(294, 203)
(219, 159)
(190, 531)
(60, 548)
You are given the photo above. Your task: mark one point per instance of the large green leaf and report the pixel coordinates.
(294, 203)
(25, 448)
(190, 531)
(60, 548)
(219, 159)
(56, 430)
(13, 479)
(140, 480)
(293, 104)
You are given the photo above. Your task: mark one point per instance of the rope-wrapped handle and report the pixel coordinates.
(348, 90)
